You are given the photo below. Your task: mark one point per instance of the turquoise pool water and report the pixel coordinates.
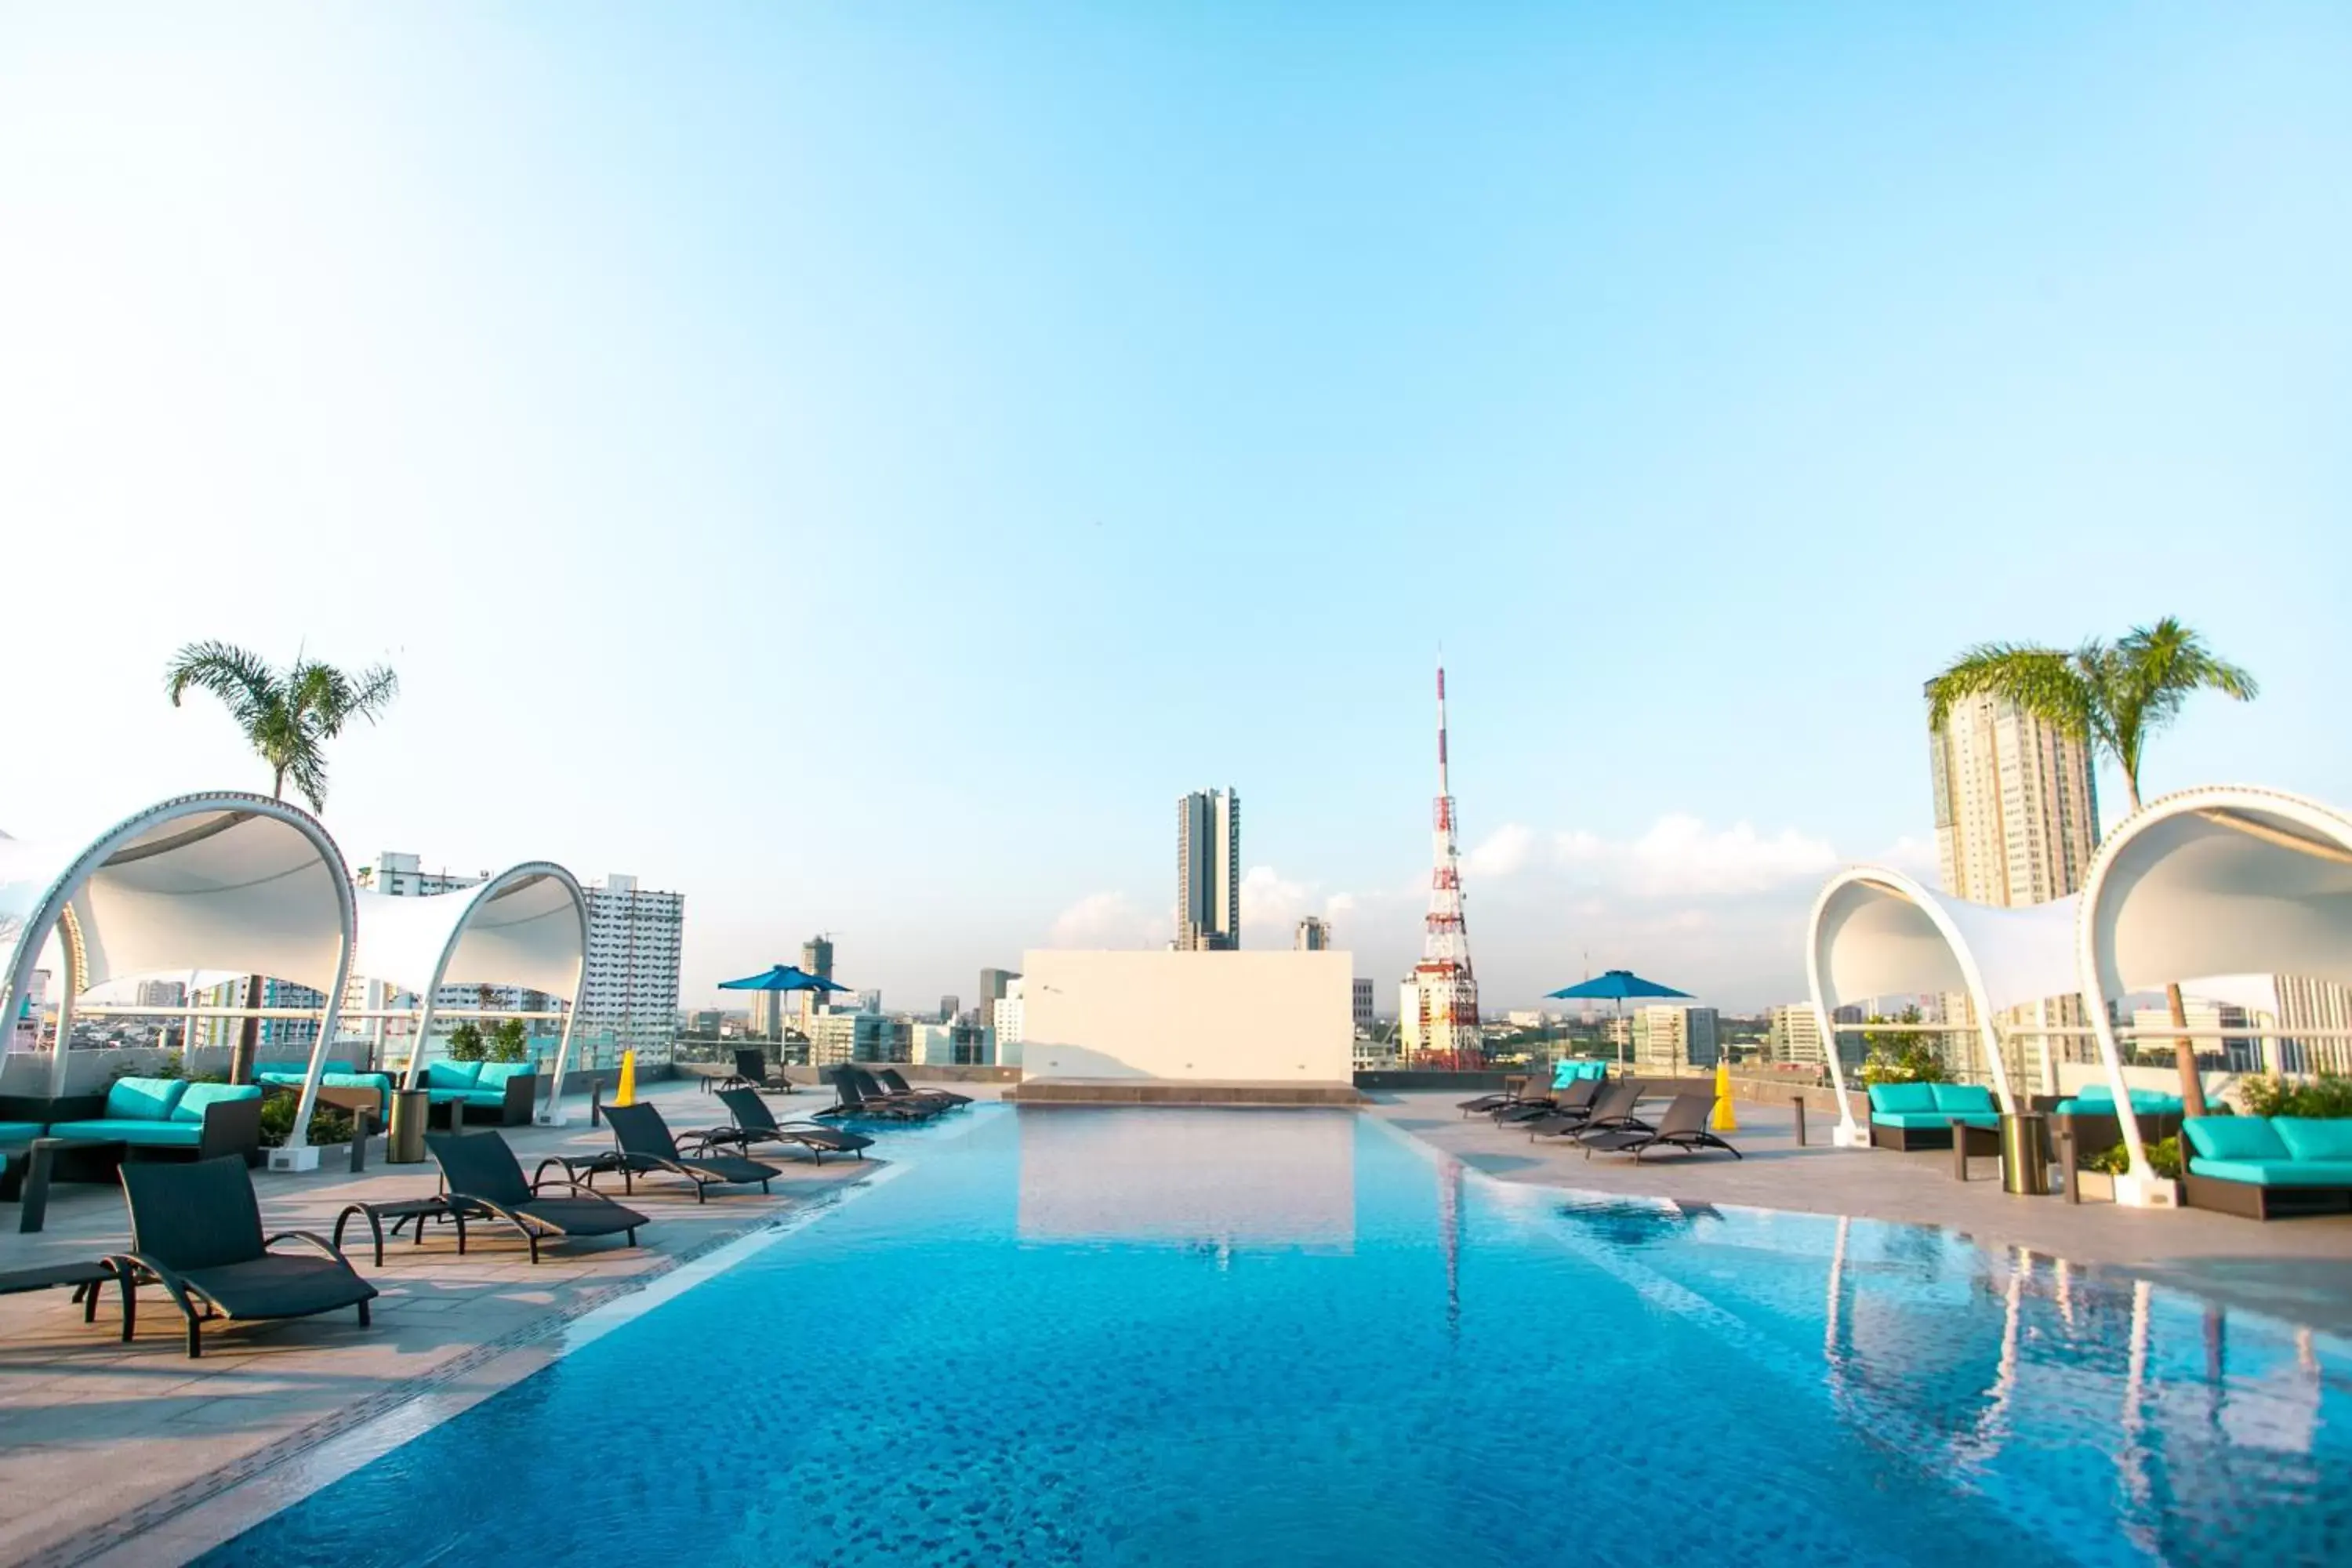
(1097, 1337)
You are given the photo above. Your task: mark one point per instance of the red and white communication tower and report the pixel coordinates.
(1445, 991)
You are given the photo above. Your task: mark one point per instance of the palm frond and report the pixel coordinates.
(308, 772)
(240, 679)
(2045, 682)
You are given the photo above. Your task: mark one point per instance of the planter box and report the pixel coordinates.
(2095, 1186)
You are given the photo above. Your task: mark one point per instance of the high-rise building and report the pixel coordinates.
(1440, 1005)
(1313, 935)
(993, 984)
(1363, 1003)
(2307, 1005)
(838, 1037)
(1209, 870)
(634, 940)
(1793, 1037)
(2017, 817)
(816, 956)
(162, 993)
(1004, 1018)
(949, 1007)
(1665, 1035)
(870, 1000)
(2017, 821)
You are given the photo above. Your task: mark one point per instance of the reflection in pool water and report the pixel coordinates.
(1172, 1336)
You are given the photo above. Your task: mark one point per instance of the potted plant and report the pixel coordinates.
(2095, 1177)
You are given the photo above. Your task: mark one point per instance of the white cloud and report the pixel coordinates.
(1107, 920)
(1680, 857)
(1917, 855)
(1506, 851)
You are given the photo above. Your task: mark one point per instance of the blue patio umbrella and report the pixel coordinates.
(1614, 986)
(781, 978)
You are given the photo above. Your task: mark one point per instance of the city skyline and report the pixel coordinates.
(1663, 392)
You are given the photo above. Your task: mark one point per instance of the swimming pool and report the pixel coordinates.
(1163, 1336)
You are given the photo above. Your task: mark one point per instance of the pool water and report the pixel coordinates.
(1241, 1337)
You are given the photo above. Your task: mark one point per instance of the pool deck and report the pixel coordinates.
(112, 1452)
(2297, 1269)
(132, 1454)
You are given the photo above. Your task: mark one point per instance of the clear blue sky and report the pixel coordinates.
(858, 463)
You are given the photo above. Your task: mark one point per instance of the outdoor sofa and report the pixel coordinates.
(2272, 1167)
(340, 1085)
(2091, 1112)
(498, 1092)
(161, 1118)
(1905, 1116)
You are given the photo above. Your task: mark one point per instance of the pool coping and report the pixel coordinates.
(214, 1508)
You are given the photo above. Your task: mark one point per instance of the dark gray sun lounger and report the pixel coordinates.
(1683, 1127)
(485, 1179)
(1579, 1102)
(755, 1123)
(1514, 1089)
(853, 1103)
(895, 1082)
(871, 1087)
(751, 1072)
(647, 1147)
(195, 1229)
(1535, 1100)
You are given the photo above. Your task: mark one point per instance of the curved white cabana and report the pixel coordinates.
(223, 880)
(2221, 880)
(1876, 932)
(526, 926)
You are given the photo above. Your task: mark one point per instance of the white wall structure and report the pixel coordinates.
(1262, 1016)
(219, 880)
(2223, 880)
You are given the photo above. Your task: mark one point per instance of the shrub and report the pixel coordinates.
(465, 1043)
(510, 1042)
(2164, 1158)
(2328, 1095)
(328, 1125)
(1913, 1061)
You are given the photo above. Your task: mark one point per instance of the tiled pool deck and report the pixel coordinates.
(118, 1453)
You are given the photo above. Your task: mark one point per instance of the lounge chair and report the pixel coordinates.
(1537, 1099)
(1611, 1111)
(895, 1082)
(1683, 1127)
(1573, 1106)
(1487, 1104)
(645, 1146)
(486, 1179)
(853, 1104)
(751, 1072)
(195, 1229)
(871, 1087)
(755, 1123)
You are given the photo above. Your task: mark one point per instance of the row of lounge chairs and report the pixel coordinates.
(1602, 1114)
(197, 1231)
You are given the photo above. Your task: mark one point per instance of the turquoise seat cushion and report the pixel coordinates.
(1965, 1096)
(452, 1075)
(2143, 1103)
(495, 1075)
(285, 1074)
(1911, 1119)
(2234, 1138)
(136, 1131)
(380, 1082)
(144, 1099)
(2277, 1172)
(2315, 1138)
(19, 1131)
(192, 1104)
(1901, 1097)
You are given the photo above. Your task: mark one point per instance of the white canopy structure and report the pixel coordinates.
(526, 926)
(2220, 880)
(1876, 932)
(221, 880)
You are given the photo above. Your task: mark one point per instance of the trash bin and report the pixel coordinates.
(405, 1144)
(2025, 1153)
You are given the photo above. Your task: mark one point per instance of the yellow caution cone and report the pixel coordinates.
(1723, 1121)
(625, 1093)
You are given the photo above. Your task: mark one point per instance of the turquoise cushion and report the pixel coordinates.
(495, 1075)
(1968, 1097)
(2315, 1138)
(2104, 1093)
(144, 1099)
(1909, 1119)
(2234, 1138)
(452, 1075)
(1566, 1073)
(147, 1134)
(380, 1082)
(1902, 1097)
(192, 1104)
(19, 1131)
(2277, 1172)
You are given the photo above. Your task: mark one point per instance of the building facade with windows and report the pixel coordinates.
(1209, 871)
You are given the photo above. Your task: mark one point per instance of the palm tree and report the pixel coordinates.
(2114, 698)
(289, 715)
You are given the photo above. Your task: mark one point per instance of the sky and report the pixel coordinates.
(858, 464)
